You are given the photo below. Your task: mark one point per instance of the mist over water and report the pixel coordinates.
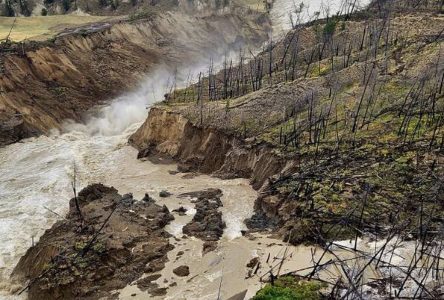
(130, 108)
(284, 10)
(36, 178)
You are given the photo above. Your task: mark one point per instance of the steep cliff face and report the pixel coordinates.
(205, 150)
(44, 84)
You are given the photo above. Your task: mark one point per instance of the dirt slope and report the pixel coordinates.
(45, 83)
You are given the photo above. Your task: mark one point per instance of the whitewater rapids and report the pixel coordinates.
(35, 186)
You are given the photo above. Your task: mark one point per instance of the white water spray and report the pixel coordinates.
(37, 172)
(285, 10)
(129, 108)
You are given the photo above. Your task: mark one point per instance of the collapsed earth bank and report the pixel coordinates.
(167, 135)
(329, 166)
(45, 83)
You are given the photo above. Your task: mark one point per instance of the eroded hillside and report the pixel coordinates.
(340, 127)
(350, 112)
(45, 83)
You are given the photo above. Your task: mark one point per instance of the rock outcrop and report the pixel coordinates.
(182, 271)
(207, 223)
(115, 242)
(13, 129)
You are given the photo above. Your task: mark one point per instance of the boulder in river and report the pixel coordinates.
(164, 194)
(207, 223)
(182, 271)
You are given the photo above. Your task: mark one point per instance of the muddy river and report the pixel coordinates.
(35, 187)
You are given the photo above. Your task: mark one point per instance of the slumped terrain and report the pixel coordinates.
(338, 124)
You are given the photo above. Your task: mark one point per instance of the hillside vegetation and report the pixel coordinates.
(351, 107)
(357, 102)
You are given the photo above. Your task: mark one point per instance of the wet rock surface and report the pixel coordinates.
(181, 211)
(182, 271)
(253, 267)
(209, 246)
(13, 129)
(118, 240)
(151, 154)
(148, 284)
(165, 194)
(207, 223)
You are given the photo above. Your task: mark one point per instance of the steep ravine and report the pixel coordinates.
(46, 83)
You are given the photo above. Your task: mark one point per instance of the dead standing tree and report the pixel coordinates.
(74, 190)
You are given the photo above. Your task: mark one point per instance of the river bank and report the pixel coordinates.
(300, 198)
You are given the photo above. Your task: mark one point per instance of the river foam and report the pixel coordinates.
(35, 185)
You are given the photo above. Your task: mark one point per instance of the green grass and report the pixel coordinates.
(289, 288)
(42, 28)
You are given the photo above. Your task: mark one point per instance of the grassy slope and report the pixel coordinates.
(42, 28)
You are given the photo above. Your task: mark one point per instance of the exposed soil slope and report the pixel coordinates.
(206, 150)
(45, 83)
